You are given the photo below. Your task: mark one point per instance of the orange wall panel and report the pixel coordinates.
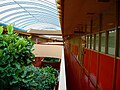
(106, 72)
(118, 76)
(75, 49)
(76, 77)
(93, 66)
(86, 59)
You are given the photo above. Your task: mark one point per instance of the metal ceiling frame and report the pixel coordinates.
(20, 19)
(30, 23)
(19, 8)
(36, 13)
(47, 10)
(23, 23)
(27, 3)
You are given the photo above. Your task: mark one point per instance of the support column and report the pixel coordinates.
(99, 43)
(117, 39)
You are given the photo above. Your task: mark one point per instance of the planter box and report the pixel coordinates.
(55, 65)
(37, 62)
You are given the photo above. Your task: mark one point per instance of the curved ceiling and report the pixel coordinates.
(30, 14)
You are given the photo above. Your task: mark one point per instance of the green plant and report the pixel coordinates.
(15, 55)
(47, 78)
(1, 30)
(10, 28)
(39, 78)
(33, 78)
(16, 69)
(51, 59)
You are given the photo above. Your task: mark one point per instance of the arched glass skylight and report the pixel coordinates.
(30, 14)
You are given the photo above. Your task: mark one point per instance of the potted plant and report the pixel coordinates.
(51, 61)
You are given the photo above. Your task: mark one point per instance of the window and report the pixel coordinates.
(111, 42)
(96, 42)
(93, 38)
(119, 44)
(88, 41)
(102, 44)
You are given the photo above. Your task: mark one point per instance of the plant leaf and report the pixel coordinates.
(1, 30)
(10, 28)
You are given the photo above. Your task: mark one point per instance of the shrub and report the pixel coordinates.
(15, 55)
(51, 59)
(16, 69)
(46, 79)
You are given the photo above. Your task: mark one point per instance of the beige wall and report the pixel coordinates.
(48, 50)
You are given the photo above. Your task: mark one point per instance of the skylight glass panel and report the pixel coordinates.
(39, 6)
(43, 26)
(44, 14)
(50, 3)
(7, 13)
(20, 18)
(28, 13)
(5, 1)
(22, 22)
(32, 10)
(5, 10)
(23, 25)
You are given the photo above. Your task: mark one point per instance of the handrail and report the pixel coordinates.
(53, 51)
(62, 79)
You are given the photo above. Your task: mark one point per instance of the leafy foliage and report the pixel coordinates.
(16, 69)
(14, 48)
(1, 30)
(10, 28)
(47, 78)
(15, 55)
(51, 59)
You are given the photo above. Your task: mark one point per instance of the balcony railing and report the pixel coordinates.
(56, 51)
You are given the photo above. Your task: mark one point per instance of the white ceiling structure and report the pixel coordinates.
(30, 14)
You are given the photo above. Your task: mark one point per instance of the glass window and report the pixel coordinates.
(102, 44)
(119, 44)
(88, 41)
(93, 38)
(96, 42)
(111, 42)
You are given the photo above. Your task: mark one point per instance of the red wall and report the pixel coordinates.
(86, 59)
(118, 76)
(93, 66)
(106, 72)
(90, 62)
(98, 66)
(75, 74)
(75, 49)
